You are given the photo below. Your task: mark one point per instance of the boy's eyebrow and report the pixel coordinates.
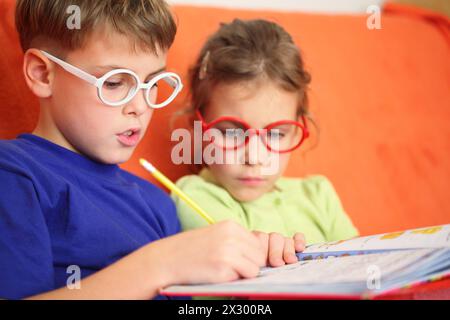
(112, 67)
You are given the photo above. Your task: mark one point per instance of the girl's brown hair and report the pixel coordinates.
(248, 50)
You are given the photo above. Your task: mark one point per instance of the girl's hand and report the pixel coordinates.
(280, 250)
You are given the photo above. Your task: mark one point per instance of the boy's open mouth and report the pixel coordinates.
(129, 138)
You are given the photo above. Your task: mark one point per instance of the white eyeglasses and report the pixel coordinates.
(120, 86)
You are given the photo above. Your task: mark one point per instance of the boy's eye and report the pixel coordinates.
(154, 88)
(112, 84)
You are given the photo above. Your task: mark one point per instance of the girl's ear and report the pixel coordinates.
(38, 72)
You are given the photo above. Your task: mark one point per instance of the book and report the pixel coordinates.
(363, 267)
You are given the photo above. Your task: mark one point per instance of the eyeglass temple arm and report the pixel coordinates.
(307, 133)
(73, 70)
(171, 81)
(174, 83)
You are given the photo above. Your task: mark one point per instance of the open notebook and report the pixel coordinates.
(362, 267)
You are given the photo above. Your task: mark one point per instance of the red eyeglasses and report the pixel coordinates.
(232, 133)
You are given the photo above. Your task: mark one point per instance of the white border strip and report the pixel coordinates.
(320, 6)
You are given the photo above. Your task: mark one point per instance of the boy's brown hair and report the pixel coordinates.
(248, 50)
(148, 23)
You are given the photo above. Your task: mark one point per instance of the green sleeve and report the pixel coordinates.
(338, 225)
(213, 199)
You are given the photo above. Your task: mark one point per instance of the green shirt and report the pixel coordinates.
(310, 206)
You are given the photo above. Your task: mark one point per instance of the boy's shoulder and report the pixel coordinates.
(20, 157)
(13, 155)
(7, 146)
(144, 184)
(156, 198)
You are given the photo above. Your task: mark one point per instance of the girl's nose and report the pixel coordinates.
(256, 152)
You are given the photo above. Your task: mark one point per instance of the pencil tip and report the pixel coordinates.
(147, 165)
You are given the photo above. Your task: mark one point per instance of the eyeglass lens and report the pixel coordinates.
(122, 86)
(231, 135)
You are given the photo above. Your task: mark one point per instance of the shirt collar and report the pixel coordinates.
(71, 158)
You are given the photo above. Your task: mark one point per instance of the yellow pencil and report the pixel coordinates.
(172, 187)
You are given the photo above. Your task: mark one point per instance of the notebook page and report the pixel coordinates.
(351, 275)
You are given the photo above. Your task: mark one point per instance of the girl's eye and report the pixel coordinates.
(276, 134)
(232, 133)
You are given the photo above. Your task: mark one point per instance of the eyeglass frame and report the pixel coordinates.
(207, 126)
(99, 82)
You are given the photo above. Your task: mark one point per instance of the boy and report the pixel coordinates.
(66, 208)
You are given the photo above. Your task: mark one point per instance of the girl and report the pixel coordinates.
(249, 90)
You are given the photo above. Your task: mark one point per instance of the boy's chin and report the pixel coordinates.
(114, 158)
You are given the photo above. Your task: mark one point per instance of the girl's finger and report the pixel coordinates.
(299, 242)
(276, 248)
(289, 251)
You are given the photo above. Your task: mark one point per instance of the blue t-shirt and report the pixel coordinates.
(59, 209)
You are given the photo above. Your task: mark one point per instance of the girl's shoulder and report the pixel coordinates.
(203, 184)
(309, 182)
(202, 188)
(201, 180)
(311, 186)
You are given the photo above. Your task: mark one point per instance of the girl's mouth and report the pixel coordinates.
(129, 138)
(252, 181)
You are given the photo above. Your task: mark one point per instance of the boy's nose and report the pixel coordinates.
(256, 152)
(137, 106)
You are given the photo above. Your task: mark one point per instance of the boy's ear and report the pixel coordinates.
(38, 72)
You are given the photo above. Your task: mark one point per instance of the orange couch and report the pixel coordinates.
(381, 98)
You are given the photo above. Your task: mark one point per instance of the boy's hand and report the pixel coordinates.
(280, 250)
(219, 253)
